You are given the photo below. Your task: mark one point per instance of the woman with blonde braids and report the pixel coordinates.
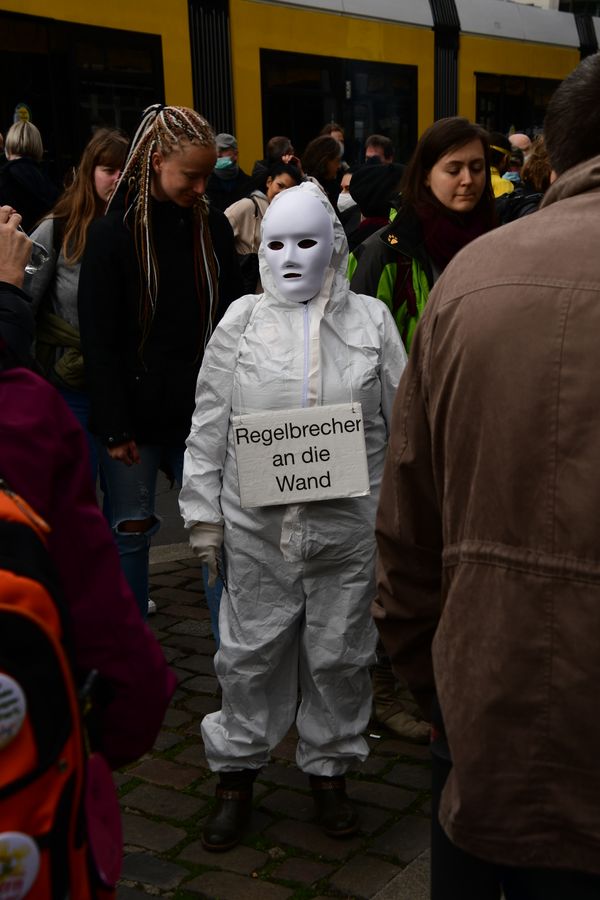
(158, 272)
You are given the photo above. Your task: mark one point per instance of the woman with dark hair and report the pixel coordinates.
(246, 215)
(53, 287)
(447, 201)
(158, 271)
(321, 161)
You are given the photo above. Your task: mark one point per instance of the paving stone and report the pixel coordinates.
(208, 786)
(165, 740)
(188, 643)
(380, 794)
(175, 718)
(287, 748)
(298, 806)
(416, 777)
(405, 840)
(259, 822)
(191, 568)
(167, 580)
(410, 884)
(165, 772)
(174, 595)
(202, 705)
(309, 837)
(172, 653)
(121, 778)
(199, 662)
(193, 755)
(243, 860)
(362, 876)
(306, 871)
(228, 886)
(150, 835)
(206, 683)
(197, 610)
(396, 747)
(192, 628)
(153, 871)
(372, 818)
(161, 621)
(127, 893)
(372, 765)
(163, 568)
(287, 776)
(163, 802)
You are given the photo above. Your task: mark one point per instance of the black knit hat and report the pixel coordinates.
(372, 186)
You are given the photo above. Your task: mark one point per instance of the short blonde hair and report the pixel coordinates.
(24, 139)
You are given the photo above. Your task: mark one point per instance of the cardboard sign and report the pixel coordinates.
(300, 455)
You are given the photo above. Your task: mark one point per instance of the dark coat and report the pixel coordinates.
(144, 388)
(222, 193)
(25, 187)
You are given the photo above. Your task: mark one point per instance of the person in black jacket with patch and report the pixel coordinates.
(157, 274)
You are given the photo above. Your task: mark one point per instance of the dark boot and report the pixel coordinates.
(225, 826)
(334, 812)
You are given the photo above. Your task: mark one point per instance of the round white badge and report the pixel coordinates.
(13, 708)
(19, 864)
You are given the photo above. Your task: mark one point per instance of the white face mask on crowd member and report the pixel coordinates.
(298, 244)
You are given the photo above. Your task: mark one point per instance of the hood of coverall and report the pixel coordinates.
(336, 274)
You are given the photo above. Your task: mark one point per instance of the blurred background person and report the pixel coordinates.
(321, 161)
(278, 149)
(228, 183)
(375, 189)
(379, 149)
(54, 286)
(246, 215)
(533, 184)
(500, 150)
(23, 184)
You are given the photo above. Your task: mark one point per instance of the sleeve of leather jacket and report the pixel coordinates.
(409, 536)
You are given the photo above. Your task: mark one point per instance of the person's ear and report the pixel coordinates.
(156, 161)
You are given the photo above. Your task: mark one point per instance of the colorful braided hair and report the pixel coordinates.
(163, 129)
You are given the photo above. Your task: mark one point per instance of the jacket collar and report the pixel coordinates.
(578, 180)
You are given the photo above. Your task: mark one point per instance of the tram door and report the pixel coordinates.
(302, 92)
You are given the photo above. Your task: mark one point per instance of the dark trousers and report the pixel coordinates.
(456, 875)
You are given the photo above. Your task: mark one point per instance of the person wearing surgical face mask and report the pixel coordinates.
(228, 183)
(299, 577)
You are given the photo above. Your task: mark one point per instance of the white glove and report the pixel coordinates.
(206, 539)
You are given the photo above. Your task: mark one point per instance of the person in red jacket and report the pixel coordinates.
(44, 458)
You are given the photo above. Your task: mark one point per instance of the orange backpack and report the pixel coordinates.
(44, 826)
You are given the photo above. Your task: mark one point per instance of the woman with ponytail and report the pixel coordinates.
(158, 272)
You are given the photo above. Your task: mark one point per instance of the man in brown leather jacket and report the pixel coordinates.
(489, 537)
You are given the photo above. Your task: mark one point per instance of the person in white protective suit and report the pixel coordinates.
(299, 577)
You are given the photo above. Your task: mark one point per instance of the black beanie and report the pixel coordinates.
(372, 186)
(17, 323)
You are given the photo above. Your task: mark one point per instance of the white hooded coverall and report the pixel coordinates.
(300, 578)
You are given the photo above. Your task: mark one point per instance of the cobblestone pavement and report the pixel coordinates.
(166, 796)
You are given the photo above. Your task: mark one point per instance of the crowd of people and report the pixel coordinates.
(448, 588)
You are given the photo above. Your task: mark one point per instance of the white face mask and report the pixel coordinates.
(345, 201)
(298, 244)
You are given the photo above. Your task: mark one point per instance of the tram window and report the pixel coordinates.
(505, 102)
(300, 92)
(74, 78)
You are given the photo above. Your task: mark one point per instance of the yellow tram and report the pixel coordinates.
(263, 67)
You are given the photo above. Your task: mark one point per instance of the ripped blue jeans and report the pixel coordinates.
(131, 495)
